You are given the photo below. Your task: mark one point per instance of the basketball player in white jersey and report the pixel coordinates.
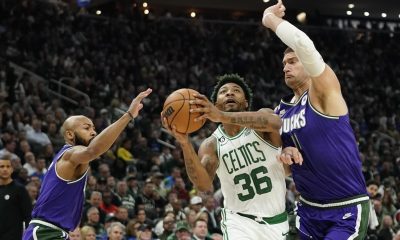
(243, 153)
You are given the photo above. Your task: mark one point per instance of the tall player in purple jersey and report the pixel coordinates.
(59, 207)
(334, 201)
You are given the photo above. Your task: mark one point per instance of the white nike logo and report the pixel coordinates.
(347, 215)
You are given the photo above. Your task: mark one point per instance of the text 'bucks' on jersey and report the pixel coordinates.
(252, 179)
(331, 169)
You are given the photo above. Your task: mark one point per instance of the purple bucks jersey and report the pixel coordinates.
(332, 167)
(60, 201)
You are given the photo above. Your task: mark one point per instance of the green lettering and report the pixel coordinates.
(263, 158)
(230, 170)
(233, 160)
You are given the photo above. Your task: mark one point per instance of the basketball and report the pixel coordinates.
(177, 111)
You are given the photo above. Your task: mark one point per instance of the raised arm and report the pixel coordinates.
(325, 93)
(102, 142)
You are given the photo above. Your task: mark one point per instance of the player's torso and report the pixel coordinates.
(334, 170)
(252, 180)
(60, 201)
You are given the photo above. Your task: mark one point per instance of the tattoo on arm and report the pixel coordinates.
(251, 122)
(191, 169)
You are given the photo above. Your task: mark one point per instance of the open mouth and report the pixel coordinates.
(230, 101)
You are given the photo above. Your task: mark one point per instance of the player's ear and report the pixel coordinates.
(70, 135)
(247, 104)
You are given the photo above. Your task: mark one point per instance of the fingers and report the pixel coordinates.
(285, 158)
(144, 94)
(297, 158)
(291, 155)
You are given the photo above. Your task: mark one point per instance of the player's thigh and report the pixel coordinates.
(235, 227)
(353, 225)
(279, 231)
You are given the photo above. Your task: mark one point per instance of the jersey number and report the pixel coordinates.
(262, 183)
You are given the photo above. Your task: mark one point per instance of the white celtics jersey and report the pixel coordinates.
(252, 179)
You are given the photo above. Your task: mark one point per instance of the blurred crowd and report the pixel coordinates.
(139, 188)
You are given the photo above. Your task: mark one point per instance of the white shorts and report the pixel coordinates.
(237, 227)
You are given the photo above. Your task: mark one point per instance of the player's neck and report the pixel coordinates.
(299, 90)
(231, 130)
(4, 182)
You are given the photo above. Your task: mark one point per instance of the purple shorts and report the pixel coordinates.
(333, 223)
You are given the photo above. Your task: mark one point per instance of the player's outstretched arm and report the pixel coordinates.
(325, 93)
(264, 120)
(102, 142)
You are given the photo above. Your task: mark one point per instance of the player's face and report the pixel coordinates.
(84, 132)
(294, 71)
(5, 169)
(231, 98)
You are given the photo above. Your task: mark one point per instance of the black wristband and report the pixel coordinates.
(130, 115)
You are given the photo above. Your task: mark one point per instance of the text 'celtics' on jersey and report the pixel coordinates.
(252, 179)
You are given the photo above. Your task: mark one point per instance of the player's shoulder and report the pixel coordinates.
(209, 143)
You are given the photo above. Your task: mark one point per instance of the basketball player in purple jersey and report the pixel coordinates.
(59, 207)
(334, 201)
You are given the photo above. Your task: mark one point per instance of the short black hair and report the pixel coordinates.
(233, 78)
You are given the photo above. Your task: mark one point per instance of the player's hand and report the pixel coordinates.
(137, 104)
(182, 138)
(278, 10)
(207, 108)
(290, 155)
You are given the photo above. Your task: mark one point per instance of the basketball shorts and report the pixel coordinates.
(334, 223)
(41, 230)
(238, 226)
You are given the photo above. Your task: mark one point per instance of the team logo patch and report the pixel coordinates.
(247, 132)
(222, 139)
(7, 197)
(282, 112)
(304, 101)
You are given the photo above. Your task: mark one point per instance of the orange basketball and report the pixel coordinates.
(176, 110)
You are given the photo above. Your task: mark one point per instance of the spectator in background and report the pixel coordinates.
(33, 192)
(95, 200)
(142, 218)
(144, 232)
(93, 220)
(146, 201)
(124, 198)
(40, 168)
(168, 224)
(209, 208)
(124, 151)
(15, 203)
(386, 232)
(196, 204)
(182, 232)
(9, 149)
(200, 230)
(35, 136)
(88, 233)
(116, 231)
(122, 215)
(75, 235)
(133, 186)
(180, 189)
(30, 163)
(107, 206)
